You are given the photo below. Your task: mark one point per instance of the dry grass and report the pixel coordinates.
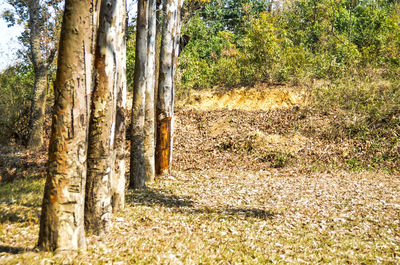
(213, 217)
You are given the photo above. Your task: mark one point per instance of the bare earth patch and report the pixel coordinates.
(260, 97)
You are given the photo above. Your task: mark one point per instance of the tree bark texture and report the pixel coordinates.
(118, 176)
(149, 135)
(175, 66)
(101, 149)
(40, 67)
(166, 90)
(137, 161)
(38, 108)
(62, 219)
(158, 45)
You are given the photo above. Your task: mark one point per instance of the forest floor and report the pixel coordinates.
(257, 179)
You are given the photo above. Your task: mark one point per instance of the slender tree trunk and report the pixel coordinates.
(351, 13)
(175, 66)
(270, 6)
(159, 24)
(158, 46)
(118, 177)
(40, 67)
(137, 165)
(166, 90)
(38, 108)
(62, 219)
(149, 144)
(101, 150)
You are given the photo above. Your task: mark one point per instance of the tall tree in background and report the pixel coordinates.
(62, 218)
(42, 19)
(166, 89)
(149, 135)
(137, 165)
(118, 176)
(102, 126)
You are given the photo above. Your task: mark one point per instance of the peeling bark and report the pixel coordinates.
(149, 144)
(101, 154)
(166, 89)
(38, 108)
(62, 219)
(118, 176)
(137, 161)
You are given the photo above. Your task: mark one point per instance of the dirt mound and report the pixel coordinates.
(256, 98)
(258, 139)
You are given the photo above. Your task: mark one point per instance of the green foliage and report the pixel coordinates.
(16, 84)
(204, 42)
(197, 73)
(336, 58)
(202, 52)
(232, 15)
(130, 56)
(240, 42)
(262, 48)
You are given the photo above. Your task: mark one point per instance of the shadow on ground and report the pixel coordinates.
(12, 250)
(18, 163)
(185, 204)
(19, 214)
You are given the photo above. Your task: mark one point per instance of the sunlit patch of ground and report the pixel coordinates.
(215, 217)
(260, 97)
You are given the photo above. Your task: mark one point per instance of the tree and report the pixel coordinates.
(118, 176)
(102, 125)
(137, 165)
(143, 125)
(105, 185)
(166, 90)
(42, 19)
(149, 135)
(62, 219)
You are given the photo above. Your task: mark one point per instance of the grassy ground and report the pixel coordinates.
(248, 188)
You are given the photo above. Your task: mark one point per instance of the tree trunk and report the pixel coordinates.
(159, 24)
(40, 67)
(149, 144)
(166, 89)
(175, 66)
(158, 44)
(118, 177)
(61, 223)
(38, 108)
(137, 165)
(101, 153)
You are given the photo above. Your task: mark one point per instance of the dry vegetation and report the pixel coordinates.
(249, 187)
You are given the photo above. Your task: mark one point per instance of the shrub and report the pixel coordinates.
(16, 84)
(368, 112)
(337, 57)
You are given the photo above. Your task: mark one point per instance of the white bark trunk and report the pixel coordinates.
(175, 66)
(137, 165)
(150, 87)
(118, 177)
(166, 89)
(101, 153)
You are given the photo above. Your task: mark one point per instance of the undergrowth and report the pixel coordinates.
(367, 112)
